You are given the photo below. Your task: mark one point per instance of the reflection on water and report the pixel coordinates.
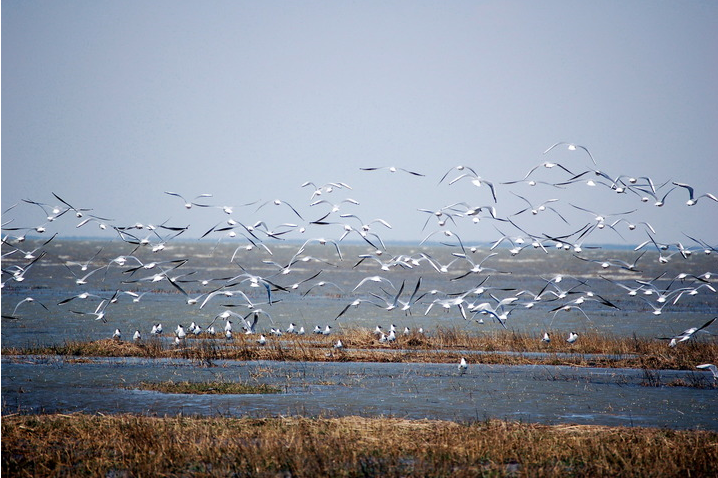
(544, 394)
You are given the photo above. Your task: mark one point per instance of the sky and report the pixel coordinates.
(109, 104)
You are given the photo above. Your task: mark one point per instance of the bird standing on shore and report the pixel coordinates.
(463, 366)
(180, 333)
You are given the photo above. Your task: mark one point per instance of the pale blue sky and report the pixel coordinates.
(108, 104)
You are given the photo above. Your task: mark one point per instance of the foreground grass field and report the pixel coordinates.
(130, 445)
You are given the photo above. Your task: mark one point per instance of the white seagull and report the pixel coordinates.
(180, 333)
(249, 326)
(335, 207)
(322, 284)
(692, 199)
(279, 202)
(711, 367)
(355, 303)
(189, 204)
(328, 187)
(463, 366)
(572, 147)
(455, 168)
(378, 279)
(28, 299)
(688, 333)
(99, 312)
(392, 169)
(535, 209)
(476, 181)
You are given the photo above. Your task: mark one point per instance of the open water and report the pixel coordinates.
(529, 393)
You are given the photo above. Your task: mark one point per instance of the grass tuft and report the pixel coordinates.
(205, 388)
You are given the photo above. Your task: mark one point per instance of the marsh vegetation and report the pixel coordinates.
(444, 345)
(207, 388)
(131, 445)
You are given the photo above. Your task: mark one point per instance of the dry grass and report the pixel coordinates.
(446, 345)
(207, 388)
(130, 445)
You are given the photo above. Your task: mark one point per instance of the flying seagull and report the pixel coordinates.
(392, 169)
(572, 147)
(688, 333)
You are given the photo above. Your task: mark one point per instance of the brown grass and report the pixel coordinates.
(207, 388)
(446, 345)
(130, 445)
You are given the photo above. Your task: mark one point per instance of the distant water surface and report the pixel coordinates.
(533, 393)
(50, 282)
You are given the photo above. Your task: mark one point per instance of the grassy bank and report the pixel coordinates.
(443, 346)
(129, 445)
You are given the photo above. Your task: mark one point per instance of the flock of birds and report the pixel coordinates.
(146, 243)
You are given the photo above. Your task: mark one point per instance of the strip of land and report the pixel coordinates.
(443, 346)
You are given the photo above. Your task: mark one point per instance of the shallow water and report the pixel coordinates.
(529, 393)
(550, 395)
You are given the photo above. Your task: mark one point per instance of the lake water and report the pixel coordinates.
(529, 393)
(533, 393)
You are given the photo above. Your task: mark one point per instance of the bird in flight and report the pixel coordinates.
(572, 147)
(392, 169)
